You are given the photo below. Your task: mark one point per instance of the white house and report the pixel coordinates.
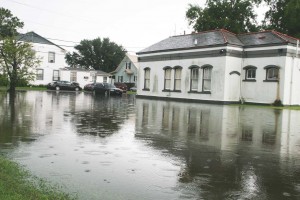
(53, 66)
(127, 70)
(222, 67)
(52, 58)
(84, 76)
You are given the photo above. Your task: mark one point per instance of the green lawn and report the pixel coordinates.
(3, 88)
(17, 184)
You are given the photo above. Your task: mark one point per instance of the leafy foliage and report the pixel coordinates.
(283, 16)
(17, 59)
(8, 23)
(97, 54)
(234, 15)
(238, 16)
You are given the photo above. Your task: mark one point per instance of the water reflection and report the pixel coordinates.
(122, 148)
(15, 122)
(228, 152)
(105, 116)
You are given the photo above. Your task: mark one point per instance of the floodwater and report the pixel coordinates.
(127, 148)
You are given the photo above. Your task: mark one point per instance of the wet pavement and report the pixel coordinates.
(126, 148)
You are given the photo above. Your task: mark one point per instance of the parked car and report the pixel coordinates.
(89, 87)
(122, 86)
(133, 89)
(107, 89)
(63, 85)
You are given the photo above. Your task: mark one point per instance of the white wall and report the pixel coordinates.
(217, 84)
(42, 51)
(83, 77)
(226, 87)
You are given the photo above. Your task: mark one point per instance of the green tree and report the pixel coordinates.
(283, 16)
(17, 59)
(237, 16)
(8, 24)
(96, 54)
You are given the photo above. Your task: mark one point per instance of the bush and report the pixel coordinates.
(3, 80)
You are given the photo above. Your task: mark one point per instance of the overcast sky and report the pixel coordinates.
(134, 24)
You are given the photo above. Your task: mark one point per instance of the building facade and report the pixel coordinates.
(51, 55)
(127, 70)
(222, 67)
(84, 76)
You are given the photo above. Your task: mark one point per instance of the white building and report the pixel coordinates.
(52, 58)
(84, 76)
(53, 66)
(222, 67)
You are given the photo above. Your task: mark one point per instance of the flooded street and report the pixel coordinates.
(127, 148)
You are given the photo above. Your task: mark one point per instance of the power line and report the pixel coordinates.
(39, 8)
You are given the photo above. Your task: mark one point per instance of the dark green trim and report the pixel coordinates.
(202, 92)
(270, 81)
(235, 72)
(249, 80)
(249, 67)
(271, 66)
(171, 91)
(216, 53)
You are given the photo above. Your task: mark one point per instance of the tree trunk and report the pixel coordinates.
(13, 81)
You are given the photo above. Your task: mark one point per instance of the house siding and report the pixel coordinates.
(42, 51)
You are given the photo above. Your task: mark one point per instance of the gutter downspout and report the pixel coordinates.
(292, 72)
(242, 64)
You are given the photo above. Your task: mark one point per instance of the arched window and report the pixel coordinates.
(167, 78)
(147, 78)
(177, 78)
(250, 73)
(206, 79)
(194, 77)
(272, 73)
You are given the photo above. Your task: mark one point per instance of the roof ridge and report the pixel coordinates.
(32, 32)
(251, 33)
(196, 33)
(285, 35)
(279, 35)
(224, 37)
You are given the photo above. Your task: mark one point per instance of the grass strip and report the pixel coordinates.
(17, 183)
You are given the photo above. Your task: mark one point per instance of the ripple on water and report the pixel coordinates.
(93, 153)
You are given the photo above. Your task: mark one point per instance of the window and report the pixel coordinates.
(128, 65)
(194, 78)
(134, 78)
(94, 78)
(55, 75)
(272, 74)
(250, 73)
(167, 78)
(105, 79)
(120, 79)
(177, 79)
(147, 79)
(40, 74)
(206, 85)
(73, 77)
(51, 57)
